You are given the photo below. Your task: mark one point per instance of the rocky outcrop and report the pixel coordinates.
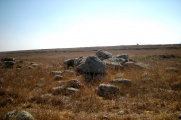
(92, 66)
(102, 55)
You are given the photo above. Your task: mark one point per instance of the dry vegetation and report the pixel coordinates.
(153, 100)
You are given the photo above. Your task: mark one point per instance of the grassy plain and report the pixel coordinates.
(157, 99)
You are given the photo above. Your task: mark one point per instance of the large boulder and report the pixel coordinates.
(102, 55)
(108, 91)
(92, 66)
(7, 59)
(8, 62)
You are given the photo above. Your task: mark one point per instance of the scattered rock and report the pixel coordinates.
(34, 65)
(39, 85)
(113, 65)
(102, 55)
(108, 91)
(121, 112)
(119, 75)
(69, 62)
(71, 90)
(46, 96)
(58, 77)
(123, 82)
(78, 61)
(65, 99)
(124, 56)
(92, 66)
(74, 84)
(56, 72)
(58, 90)
(10, 114)
(171, 69)
(24, 115)
(146, 80)
(7, 59)
(69, 73)
(9, 64)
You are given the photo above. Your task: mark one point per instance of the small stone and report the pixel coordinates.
(56, 72)
(10, 114)
(124, 82)
(70, 91)
(121, 113)
(171, 69)
(108, 91)
(58, 90)
(58, 77)
(24, 115)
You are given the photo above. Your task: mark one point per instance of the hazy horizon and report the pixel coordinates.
(45, 24)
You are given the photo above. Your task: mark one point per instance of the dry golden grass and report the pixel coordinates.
(156, 100)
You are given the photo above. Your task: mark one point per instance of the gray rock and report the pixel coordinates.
(46, 97)
(116, 60)
(146, 80)
(124, 56)
(7, 59)
(69, 62)
(9, 64)
(123, 82)
(102, 55)
(24, 115)
(71, 90)
(10, 114)
(78, 61)
(74, 84)
(113, 65)
(56, 72)
(58, 77)
(108, 91)
(171, 69)
(92, 66)
(136, 65)
(121, 112)
(58, 90)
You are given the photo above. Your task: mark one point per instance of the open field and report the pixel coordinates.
(154, 94)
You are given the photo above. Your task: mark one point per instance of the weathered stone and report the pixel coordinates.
(58, 90)
(10, 114)
(146, 80)
(108, 91)
(56, 72)
(123, 82)
(7, 59)
(124, 56)
(113, 65)
(58, 77)
(71, 90)
(92, 66)
(171, 69)
(74, 84)
(102, 55)
(78, 61)
(24, 115)
(9, 64)
(69, 62)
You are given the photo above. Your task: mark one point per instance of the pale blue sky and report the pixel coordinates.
(41, 24)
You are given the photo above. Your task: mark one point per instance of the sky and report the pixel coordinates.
(44, 24)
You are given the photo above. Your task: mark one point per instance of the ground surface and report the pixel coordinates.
(156, 99)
